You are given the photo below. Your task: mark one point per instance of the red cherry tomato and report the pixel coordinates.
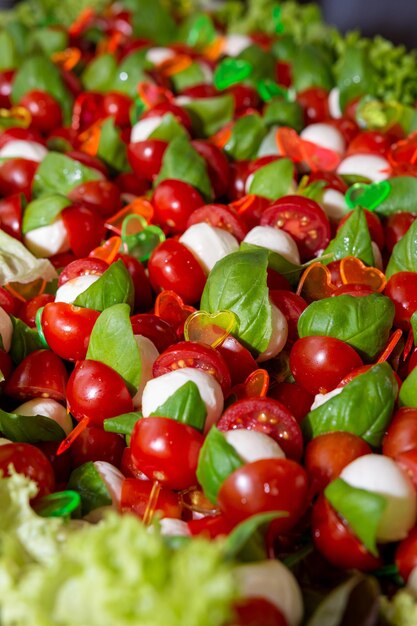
(219, 216)
(266, 416)
(16, 176)
(6, 80)
(173, 267)
(353, 290)
(41, 373)
(101, 196)
(408, 462)
(85, 229)
(142, 287)
(210, 526)
(154, 328)
(303, 219)
(265, 485)
(244, 96)
(401, 288)
(332, 180)
(406, 555)
(369, 142)
(297, 399)
(89, 161)
(29, 309)
(11, 210)
(117, 105)
(174, 201)
(61, 464)
(96, 391)
(401, 435)
(203, 90)
(44, 109)
(95, 444)
(315, 103)
(30, 461)
(374, 226)
(237, 182)
(319, 363)
(167, 451)
(67, 329)
(135, 499)
(218, 167)
(145, 157)
(291, 305)
(130, 183)
(238, 359)
(161, 109)
(396, 226)
(8, 302)
(81, 267)
(258, 612)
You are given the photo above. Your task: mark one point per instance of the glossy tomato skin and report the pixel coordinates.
(11, 210)
(95, 444)
(6, 80)
(291, 305)
(265, 485)
(16, 176)
(173, 267)
(142, 287)
(219, 216)
(401, 288)
(6, 365)
(102, 196)
(401, 435)
(314, 101)
(218, 167)
(406, 555)
(96, 391)
(117, 105)
(8, 302)
(336, 542)
(173, 202)
(30, 461)
(45, 111)
(319, 363)
(193, 354)
(85, 228)
(210, 526)
(29, 309)
(154, 328)
(167, 451)
(67, 329)
(267, 416)
(396, 227)
(258, 612)
(297, 399)
(145, 157)
(41, 373)
(238, 359)
(81, 267)
(135, 499)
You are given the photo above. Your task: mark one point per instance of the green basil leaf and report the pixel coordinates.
(217, 460)
(114, 286)
(130, 73)
(122, 424)
(238, 283)
(185, 406)
(413, 322)
(9, 57)
(274, 180)
(112, 342)
(246, 137)
(404, 255)
(245, 531)
(263, 63)
(2, 378)
(354, 75)
(24, 340)
(59, 174)
(311, 68)
(182, 161)
(408, 390)
(364, 407)
(93, 491)
(151, 20)
(361, 509)
(43, 211)
(352, 239)
(168, 129)
(280, 111)
(401, 197)
(100, 74)
(29, 428)
(49, 40)
(197, 31)
(364, 323)
(208, 115)
(190, 76)
(278, 263)
(112, 149)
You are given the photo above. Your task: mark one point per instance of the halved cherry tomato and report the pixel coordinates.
(135, 498)
(81, 267)
(67, 329)
(219, 216)
(41, 373)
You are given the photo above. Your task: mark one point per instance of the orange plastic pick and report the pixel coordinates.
(353, 271)
(111, 44)
(27, 291)
(392, 342)
(139, 206)
(319, 158)
(214, 50)
(90, 138)
(108, 251)
(152, 95)
(81, 22)
(221, 138)
(408, 345)
(316, 283)
(74, 434)
(171, 308)
(175, 65)
(67, 59)
(20, 113)
(244, 203)
(211, 329)
(152, 502)
(289, 143)
(257, 384)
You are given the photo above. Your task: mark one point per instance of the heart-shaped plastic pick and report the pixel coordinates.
(353, 271)
(108, 251)
(67, 59)
(171, 308)
(243, 204)
(139, 206)
(316, 283)
(214, 50)
(59, 504)
(289, 143)
(90, 138)
(211, 329)
(26, 291)
(139, 239)
(81, 22)
(16, 116)
(152, 95)
(269, 89)
(255, 386)
(318, 158)
(367, 196)
(175, 65)
(230, 72)
(392, 342)
(404, 151)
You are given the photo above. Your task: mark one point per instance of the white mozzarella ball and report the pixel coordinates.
(322, 398)
(158, 55)
(380, 474)
(334, 103)
(279, 335)
(49, 408)
(142, 129)
(334, 204)
(48, 240)
(148, 355)
(324, 135)
(6, 330)
(20, 149)
(235, 44)
(274, 239)
(208, 244)
(274, 582)
(412, 582)
(269, 144)
(207, 73)
(372, 166)
(4, 441)
(377, 256)
(113, 479)
(69, 291)
(183, 100)
(252, 445)
(174, 527)
(159, 389)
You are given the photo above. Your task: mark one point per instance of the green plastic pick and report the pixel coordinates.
(269, 89)
(38, 320)
(230, 72)
(202, 32)
(61, 504)
(277, 19)
(367, 196)
(139, 238)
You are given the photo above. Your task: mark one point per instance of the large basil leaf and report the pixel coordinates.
(168, 129)
(274, 180)
(29, 428)
(93, 491)
(112, 149)
(408, 390)
(364, 407)
(352, 239)
(404, 254)
(208, 115)
(278, 263)
(130, 73)
(43, 211)
(402, 196)
(48, 40)
(311, 68)
(122, 424)
(100, 74)
(112, 342)
(361, 509)
(9, 57)
(246, 137)
(182, 161)
(24, 340)
(151, 20)
(217, 460)
(354, 75)
(364, 323)
(185, 406)
(263, 63)
(284, 113)
(114, 286)
(238, 283)
(59, 174)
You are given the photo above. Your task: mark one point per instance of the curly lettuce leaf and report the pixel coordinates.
(18, 265)
(401, 610)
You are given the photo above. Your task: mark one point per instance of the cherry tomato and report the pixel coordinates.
(297, 399)
(237, 182)
(353, 290)
(45, 111)
(29, 309)
(160, 110)
(8, 302)
(67, 329)
(401, 288)
(219, 216)
(291, 305)
(81, 267)
(89, 161)
(167, 451)
(266, 416)
(277, 282)
(218, 167)
(174, 201)
(11, 210)
(117, 105)
(128, 468)
(369, 142)
(95, 444)
(16, 176)
(30, 461)
(142, 287)
(374, 226)
(85, 228)
(315, 104)
(258, 612)
(101, 196)
(173, 267)
(6, 80)
(265, 485)
(303, 219)
(210, 526)
(406, 555)
(244, 96)
(154, 328)
(238, 359)
(408, 462)
(41, 373)
(145, 157)
(332, 180)
(319, 363)
(396, 226)
(135, 499)
(401, 435)
(203, 90)
(61, 464)
(130, 183)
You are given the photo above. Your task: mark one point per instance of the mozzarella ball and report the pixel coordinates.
(274, 239)
(207, 73)
(144, 128)
(20, 149)
(148, 355)
(334, 204)
(174, 527)
(158, 55)
(380, 474)
(372, 166)
(274, 582)
(324, 135)
(322, 398)
(334, 103)
(49, 408)
(252, 445)
(113, 479)
(208, 244)
(4, 441)
(235, 44)
(159, 389)
(6, 330)
(412, 582)
(279, 335)
(69, 291)
(48, 240)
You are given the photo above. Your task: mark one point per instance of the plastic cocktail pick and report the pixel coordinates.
(367, 196)
(353, 271)
(269, 89)
(59, 504)
(221, 138)
(152, 503)
(230, 72)
(108, 251)
(318, 158)
(67, 59)
(90, 138)
(27, 291)
(74, 434)
(392, 342)
(82, 21)
(139, 206)
(404, 151)
(211, 329)
(316, 283)
(289, 143)
(408, 345)
(175, 65)
(152, 95)
(171, 308)
(255, 386)
(138, 238)
(243, 204)
(19, 115)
